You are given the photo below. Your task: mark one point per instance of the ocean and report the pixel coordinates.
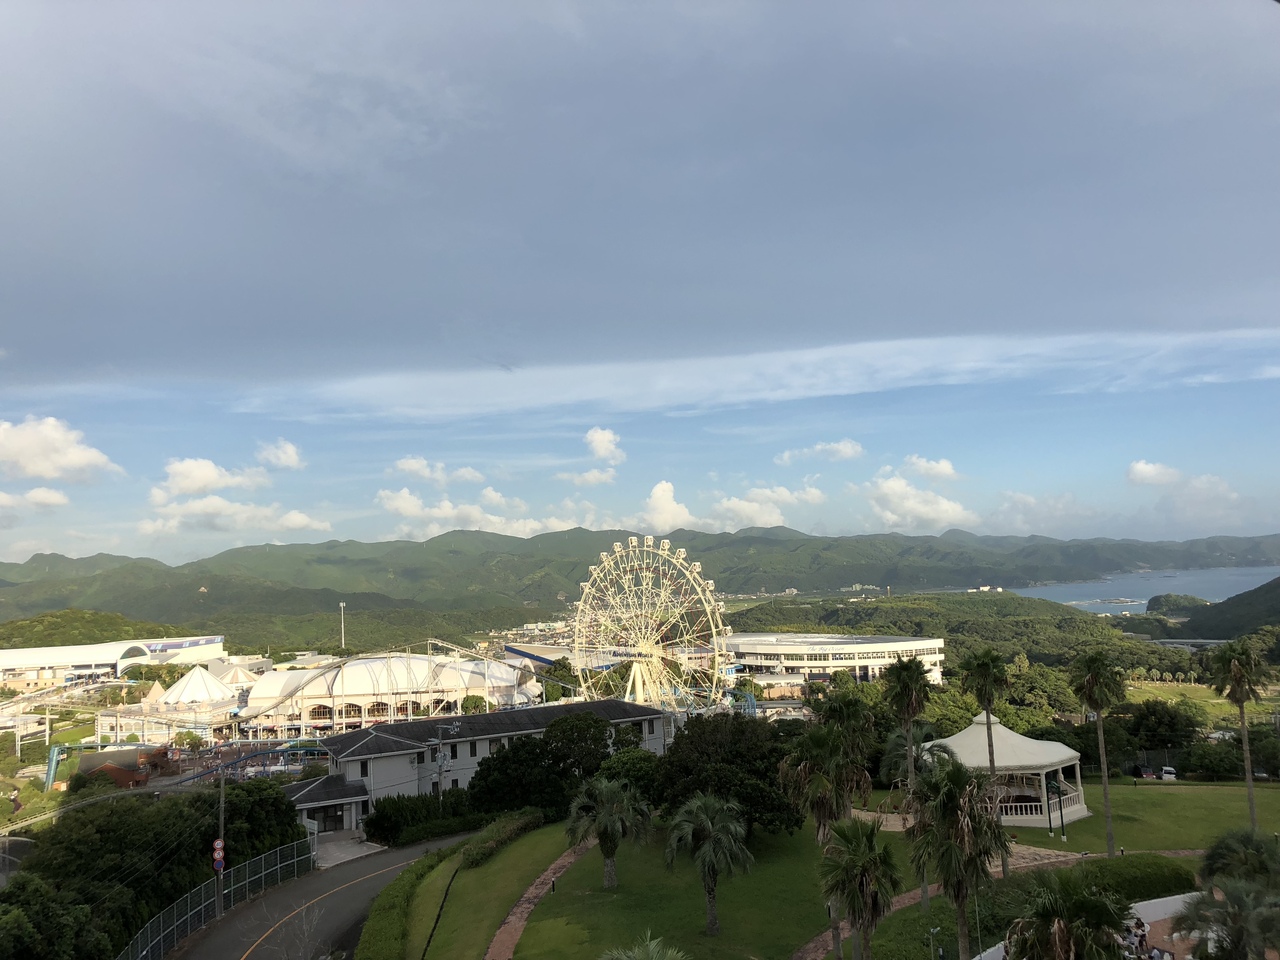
(1131, 591)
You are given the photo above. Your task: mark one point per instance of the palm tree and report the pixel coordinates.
(1240, 919)
(860, 874)
(893, 762)
(1242, 854)
(1238, 672)
(955, 832)
(1098, 684)
(1068, 917)
(646, 948)
(821, 778)
(609, 811)
(983, 674)
(713, 832)
(907, 688)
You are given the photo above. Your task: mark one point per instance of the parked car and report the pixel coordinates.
(1260, 775)
(1143, 773)
(1167, 773)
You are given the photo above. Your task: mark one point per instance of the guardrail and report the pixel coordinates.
(240, 883)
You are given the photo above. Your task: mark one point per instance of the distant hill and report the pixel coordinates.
(468, 570)
(1239, 615)
(66, 627)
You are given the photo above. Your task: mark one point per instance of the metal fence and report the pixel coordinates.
(199, 907)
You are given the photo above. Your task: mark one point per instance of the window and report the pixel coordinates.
(495, 745)
(435, 786)
(364, 768)
(453, 751)
(650, 728)
(454, 783)
(472, 745)
(364, 808)
(422, 756)
(435, 754)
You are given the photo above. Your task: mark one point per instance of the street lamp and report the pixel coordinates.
(342, 621)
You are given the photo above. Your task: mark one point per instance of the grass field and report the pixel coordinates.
(1221, 713)
(425, 905)
(481, 898)
(1161, 816)
(765, 914)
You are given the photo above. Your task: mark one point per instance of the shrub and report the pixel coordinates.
(1143, 876)
(394, 818)
(480, 849)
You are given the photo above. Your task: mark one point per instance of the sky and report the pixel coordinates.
(308, 271)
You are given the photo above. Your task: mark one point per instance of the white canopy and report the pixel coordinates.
(155, 693)
(198, 686)
(1014, 752)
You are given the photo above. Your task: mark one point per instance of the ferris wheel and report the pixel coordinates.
(649, 629)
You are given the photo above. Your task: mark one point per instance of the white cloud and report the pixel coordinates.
(48, 449)
(217, 513)
(933, 469)
(1053, 515)
(195, 476)
(739, 512)
(437, 473)
(445, 515)
(808, 494)
(663, 513)
(46, 497)
(603, 444)
(492, 498)
(590, 478)
(1152, 474)
(900, 505)
(282, 455)
(845, 449)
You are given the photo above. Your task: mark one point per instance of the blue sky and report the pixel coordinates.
(311, 271)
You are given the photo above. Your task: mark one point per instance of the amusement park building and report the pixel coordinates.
(421, 756)
(799, 657)
(35, 668)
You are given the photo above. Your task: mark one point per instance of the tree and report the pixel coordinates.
(713, 832)
(525, 774)
(1237, 917)
(908, 691)
(559, 677)
(1239, 673)
(579, 742)
(984, 676)
(893, 762)
(472, 704)
(1099, 684)
(735, 757)
(647, 947)
(638, 767)
(954, 831)
(1068, 917)
(610, 811)
(1242, 854)
(188, 740)
(860, 874)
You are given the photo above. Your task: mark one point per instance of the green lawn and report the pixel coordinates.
(1221, 712)
(1161, 816)
(765, 914)
(481, 898)
(425, 905)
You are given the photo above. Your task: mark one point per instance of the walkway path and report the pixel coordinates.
(1022, 858)
(503, 945)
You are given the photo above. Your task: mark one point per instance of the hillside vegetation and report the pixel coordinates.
(67, 627)
(475, 570)
(1236, 616)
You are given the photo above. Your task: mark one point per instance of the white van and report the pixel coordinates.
(1168, 773)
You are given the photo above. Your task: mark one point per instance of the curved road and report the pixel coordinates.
(305, 918)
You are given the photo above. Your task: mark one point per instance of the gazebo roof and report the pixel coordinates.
(1014, 752)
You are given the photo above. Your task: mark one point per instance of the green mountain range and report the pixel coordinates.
(467, 570)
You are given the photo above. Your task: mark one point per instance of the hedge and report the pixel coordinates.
(387, 928)
(400, 820)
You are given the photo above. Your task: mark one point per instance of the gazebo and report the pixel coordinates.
(1026, 772)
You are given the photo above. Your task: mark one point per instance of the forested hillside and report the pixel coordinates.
(1236, 616)
(66, 627)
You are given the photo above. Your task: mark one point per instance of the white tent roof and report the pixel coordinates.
(238, 676)
(1014, 752)
(198, 686)
(155, 693)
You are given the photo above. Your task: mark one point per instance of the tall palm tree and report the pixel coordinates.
(821, 777)
(1098, 683)
(646, 948)
(1239, 673)
(983, 674)
(712, 830)
(893, 762)
(610, 811)
(955, 832)
(1067, 917)
(861, 874)
(907, 688)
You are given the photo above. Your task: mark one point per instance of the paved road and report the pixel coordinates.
(306, 918)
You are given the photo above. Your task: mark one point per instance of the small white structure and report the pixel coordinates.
(1025, 770)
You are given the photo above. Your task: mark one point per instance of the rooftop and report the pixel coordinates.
(824, 639)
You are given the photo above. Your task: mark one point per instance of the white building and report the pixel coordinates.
(422, 756)
(801, 657)
(35, 668)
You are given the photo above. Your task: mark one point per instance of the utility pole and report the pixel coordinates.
(222, 829)
(47, 722)
(342, 621)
